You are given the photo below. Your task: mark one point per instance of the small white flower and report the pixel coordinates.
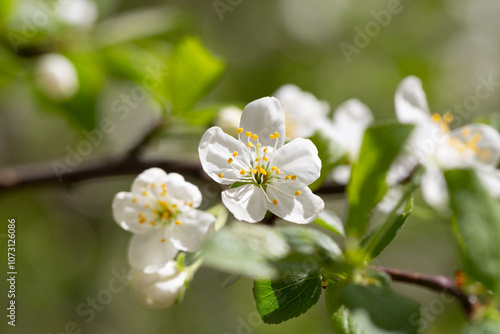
(268, 175)
(304, 113)
(160, 211)
(158, 289)
(56, 76)
(437, 148)
(228, 120)
(347, 129)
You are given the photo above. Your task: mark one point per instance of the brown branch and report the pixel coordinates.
(437, 283)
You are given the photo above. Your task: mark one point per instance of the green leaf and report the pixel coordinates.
(237, 184)
(367, 187)
(258, 251)
(478, 226)
(246, 250)
(381, 236)
(288, 297)
(329, 154)
(330, 221)
(357, 309)
(486, 326)
(192, 73)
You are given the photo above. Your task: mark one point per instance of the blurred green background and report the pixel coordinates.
(68, 246)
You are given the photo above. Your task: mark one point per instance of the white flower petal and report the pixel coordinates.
(150, 251)
(183, 191)
(196, 226)
(126, 209)
(159, 289)
(304, 113)
(411, 102)
(341, 174)
(299, 157)
(300, 209)
(434, 189)
(490, 179)
(144, 180)
(263, 117)
(215, 149)
(246, 203)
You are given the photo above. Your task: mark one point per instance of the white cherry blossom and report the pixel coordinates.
(264, 173)
(437, 148)
(304, 113)
(160, 211)
(158, 289)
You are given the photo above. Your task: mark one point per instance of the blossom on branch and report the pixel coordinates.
(161, 212)
(264, 174)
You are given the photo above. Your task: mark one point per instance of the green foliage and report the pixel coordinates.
(287, 297)
(489, 325)
(329, 155)
(381, 145)
(478, 226)
(258, 252)
(381, 236)
(357, 309)
(331, 222)
(192, 71)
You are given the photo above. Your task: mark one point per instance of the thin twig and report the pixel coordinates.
(437, 283)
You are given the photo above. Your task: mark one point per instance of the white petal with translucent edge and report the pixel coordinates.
(126, 212)
(264, 117)
(301, 209)
(247, 203)
(150, 251)
(299, 157)
(215, 149)
(434, 189)
(148, 177)
(411, 102)
(159, 289)
(196, 226)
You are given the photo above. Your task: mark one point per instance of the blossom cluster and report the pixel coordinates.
(265, 160)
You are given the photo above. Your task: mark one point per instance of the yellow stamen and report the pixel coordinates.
(278, 171)
(242, 172)
(144, 193)
(288, 177)
(274, 168)
(266, 159)
(297, 193)
(250, 145)
(265, 150)
(275, 202)
(163, 185)
(436, 118)
(272, 137)
(253, 171)
(147, 206)
(448, 117)
(178, 222)
(240, 130)
(248, 134)
(153, 185)
(174, 206)
(165, 215)
(163, 240)
(220, 175)
(191, 205)
(134, 200)
(155, 211)
(276, 135)
(142, 220)
(230, 160)
(255, 137)
(256, 159)
(294, 177)
(235, 154)
(466, 131)
(153, 223)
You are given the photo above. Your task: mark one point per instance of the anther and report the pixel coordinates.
(230, 160)
(266, 159)
(276, 135)
(220, 175)
(255, 137)
(274, 168)
(297, 193)
(178, 222)
(265, 150)
(250, 145)
(235, 154)
(242, 172)
(134, 200)
(248, 134)
(275, 202)
(163, 240)
(288, 177)
(294, 177)
(436, 118)
(240, 130)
